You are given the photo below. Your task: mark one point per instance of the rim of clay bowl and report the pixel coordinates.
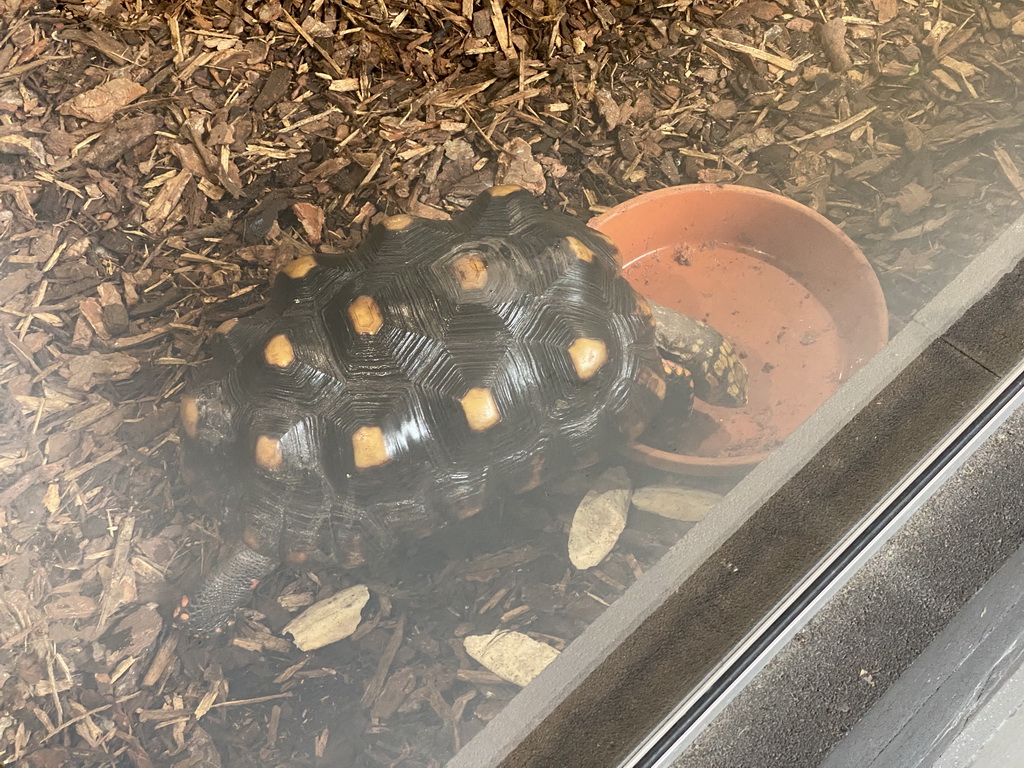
(875, 307)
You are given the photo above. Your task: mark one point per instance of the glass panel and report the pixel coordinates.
(160, 165)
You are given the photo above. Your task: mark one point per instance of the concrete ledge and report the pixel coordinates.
(817, 688)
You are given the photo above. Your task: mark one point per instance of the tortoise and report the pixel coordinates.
(382, 394)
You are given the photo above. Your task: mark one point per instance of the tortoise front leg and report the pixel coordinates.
(223, 590)
(719, 376)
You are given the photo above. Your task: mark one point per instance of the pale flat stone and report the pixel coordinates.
(512, 656)
(676, 502)
(600, 518)
(330, 620)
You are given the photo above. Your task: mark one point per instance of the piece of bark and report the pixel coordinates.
(121, 137)
(833, 40)
(600, 518)
(330, 620)
(517, 166)
(675, 502)
(99, 104)
(512, 656)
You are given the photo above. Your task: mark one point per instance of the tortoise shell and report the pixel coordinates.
(384, 393)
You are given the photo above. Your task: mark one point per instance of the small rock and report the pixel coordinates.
(600, 518)
(482, 26)
(716, 175)
(512, 656)
(329, 620)
(10, 101)
(676, 502)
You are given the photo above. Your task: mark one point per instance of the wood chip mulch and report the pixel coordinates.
(160, 161)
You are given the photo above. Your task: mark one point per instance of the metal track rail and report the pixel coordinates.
(693, 714)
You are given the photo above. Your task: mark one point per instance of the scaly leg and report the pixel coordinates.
(223, 591)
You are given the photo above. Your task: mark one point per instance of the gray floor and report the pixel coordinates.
(994, 737)
(961, 702)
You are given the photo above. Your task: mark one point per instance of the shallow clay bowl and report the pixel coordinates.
(784, 284)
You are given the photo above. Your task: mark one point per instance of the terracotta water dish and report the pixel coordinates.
(789, 288)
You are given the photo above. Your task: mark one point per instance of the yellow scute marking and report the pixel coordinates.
(398, 223)
(480, 409)
(268, 452)
(365, 315)
(279, 352)
(536, 475)
(252, 538)
(588, 355)
(583, 253)
(608, 241)
(503, 190)
(300, 267)
(467, 510)
(369, 448)
(190, 415)
(227, 325)
(471, 272)
(654, 382)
